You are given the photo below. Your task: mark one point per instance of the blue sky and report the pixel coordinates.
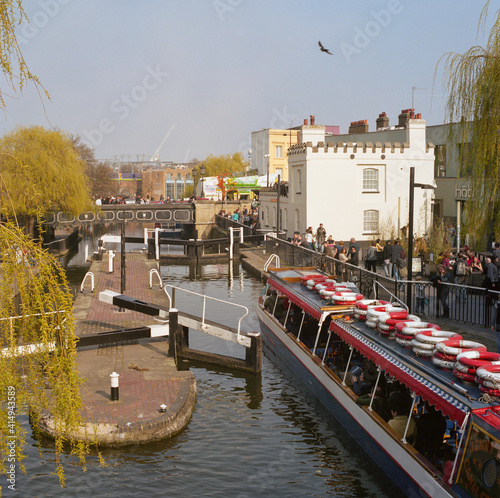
(124, 73)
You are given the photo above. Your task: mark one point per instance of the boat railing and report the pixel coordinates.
(90, 275)
(471, 303)
(205, 298)
(273, 257)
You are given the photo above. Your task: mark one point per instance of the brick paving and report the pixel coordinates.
(148, 377)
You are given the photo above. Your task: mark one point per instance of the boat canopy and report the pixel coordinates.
(435, 392)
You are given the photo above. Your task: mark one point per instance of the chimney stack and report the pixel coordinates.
(405, 116)
(382, 121)
(359, 126)
(306, 122)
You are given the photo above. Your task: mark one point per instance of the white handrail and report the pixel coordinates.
(269, 261)
(152, 272)
(91, 275)
(205, 304)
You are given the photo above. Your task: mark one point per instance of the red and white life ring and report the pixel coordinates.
(453, 347)
(464, 368)
(490, 373)
(363, 304)
(413, 327)
(478, 358)
(492, 392)
(440, 362)
(422, 345)
(351, 297)
(401, 340)
(371, 323)
(376, 311)
(463, 376)
(432, 336)
(423, 352)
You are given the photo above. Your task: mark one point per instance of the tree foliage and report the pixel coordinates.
(99, 174)
(42, 171)
(12, 62)
(225, 164)
(34, 291)
(473, 85)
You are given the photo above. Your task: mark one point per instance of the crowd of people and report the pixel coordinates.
(245, 216)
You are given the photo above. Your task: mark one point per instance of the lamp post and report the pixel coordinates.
(410, 230)
(203, 172)
(195, 174)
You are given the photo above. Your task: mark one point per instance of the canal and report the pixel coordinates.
(248, 436)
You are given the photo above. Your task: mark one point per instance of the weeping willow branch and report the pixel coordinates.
(34, 289)
(473, 87)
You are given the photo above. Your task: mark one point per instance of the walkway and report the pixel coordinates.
(148, 377)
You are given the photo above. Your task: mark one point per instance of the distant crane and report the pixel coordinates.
(156, 156)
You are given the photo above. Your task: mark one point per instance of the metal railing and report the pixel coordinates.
(469, 304)
(171, 303)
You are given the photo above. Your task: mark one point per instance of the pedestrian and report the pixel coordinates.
(440, 280)
(309, 238)
(387, 258)
(419, 295)
(320, 237)
(402, 269)
(371, 257)
(343, 260)
(352, 243)
(395, 252)
(461, 270)
(354, 256)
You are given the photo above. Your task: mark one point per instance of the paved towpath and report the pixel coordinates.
(148, 377)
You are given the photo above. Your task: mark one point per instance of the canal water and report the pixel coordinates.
(248, 436)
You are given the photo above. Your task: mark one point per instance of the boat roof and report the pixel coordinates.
(438, 386)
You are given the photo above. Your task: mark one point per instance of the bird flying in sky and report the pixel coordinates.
(323, 49)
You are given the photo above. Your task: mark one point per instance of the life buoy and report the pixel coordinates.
(422, 345)
(432, 336)
(487, 383)
(423, 352)
(402, 342)
(492, 392)
(454, 347)
(363, 304)
(414, 326)
(376, 311)
(463, 376)
(346, 296)
(384, 326)
(371, 323)
(465, 369)
(442, 363)
(478, 358)
(490, 373)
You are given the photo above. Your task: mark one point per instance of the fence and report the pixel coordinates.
(466, 304)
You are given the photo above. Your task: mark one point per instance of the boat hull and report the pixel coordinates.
(400, 464)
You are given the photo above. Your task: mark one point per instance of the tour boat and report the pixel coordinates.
(320, 340)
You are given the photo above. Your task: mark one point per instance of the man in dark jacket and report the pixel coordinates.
(395, 253)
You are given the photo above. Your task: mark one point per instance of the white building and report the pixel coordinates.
(356, 184)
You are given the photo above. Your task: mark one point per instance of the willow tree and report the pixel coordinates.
(46, 168)
(37, 340)
(473, 85)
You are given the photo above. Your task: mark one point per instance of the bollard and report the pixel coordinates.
(173, 320)
(115, 396)
(110, 264)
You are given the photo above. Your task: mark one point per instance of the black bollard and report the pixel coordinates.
(115, 395)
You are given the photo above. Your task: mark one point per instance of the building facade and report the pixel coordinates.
(170, 182)
(356, 184)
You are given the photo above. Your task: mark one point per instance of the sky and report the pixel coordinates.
(197, 77)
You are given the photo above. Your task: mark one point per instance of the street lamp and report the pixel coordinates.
(203, 172)
(410, 229)
(195, 174)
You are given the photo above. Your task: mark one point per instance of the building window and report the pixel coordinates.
(297, 220)
(278, 151)
(440, 161)
(299, 181)
(370, 221)
(370, 180)
(279, 171)
(465, 160)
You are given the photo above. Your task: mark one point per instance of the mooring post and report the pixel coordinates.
(185, 337)
(115, 393)
(173, 320)
(253, 354)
